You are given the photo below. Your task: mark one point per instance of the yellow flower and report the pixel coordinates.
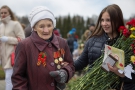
(132, 29)
(133, 59)
(132, 36)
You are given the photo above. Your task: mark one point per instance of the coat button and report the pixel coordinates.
(50, 45)
(52, 63)
(52, 84)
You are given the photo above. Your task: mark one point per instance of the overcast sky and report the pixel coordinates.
(85, 8)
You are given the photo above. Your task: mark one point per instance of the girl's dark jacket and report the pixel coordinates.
(27, 75)
(93, 50)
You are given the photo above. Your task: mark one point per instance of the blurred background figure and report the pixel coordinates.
(56, 32)
(73, 33)
(91, 28)
(77, 52)
(28, 30)
(11, 32)
(72, 39)
(85, 36)
(23, 26)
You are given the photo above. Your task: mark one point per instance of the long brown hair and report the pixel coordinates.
(10, 12)
(116, 18)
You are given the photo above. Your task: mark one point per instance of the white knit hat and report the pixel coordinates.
(39, 13)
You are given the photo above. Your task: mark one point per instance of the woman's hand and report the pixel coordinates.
(115, 70)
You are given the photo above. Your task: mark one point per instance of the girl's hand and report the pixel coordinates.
(115, 70)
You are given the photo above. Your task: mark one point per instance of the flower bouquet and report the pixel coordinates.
(96, 78)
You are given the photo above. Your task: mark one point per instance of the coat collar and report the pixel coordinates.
(41, 43)
(6, 19)
(109, 37)
(111, 41)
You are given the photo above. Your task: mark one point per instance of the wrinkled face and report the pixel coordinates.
(106, 23)
(4, 12)
(44, 28)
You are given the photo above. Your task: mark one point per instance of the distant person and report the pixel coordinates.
(40, 62)
(77, 52)
(56, 32)
(91, 28)
(27, 31)
(72, 32)
(23, 26)
(11, 32)
(85, 36)
(70, 41)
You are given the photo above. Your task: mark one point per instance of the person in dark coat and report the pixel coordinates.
(106, 32)
(70, 41)
(41, 59)
(27, 31)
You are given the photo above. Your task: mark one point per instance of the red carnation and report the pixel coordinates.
(126, 33)
(131, 23)
(121, 28)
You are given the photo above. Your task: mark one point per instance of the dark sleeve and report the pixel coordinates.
(127, 80)
(129, 84)
(82, 61)
(68, 58)
(19, 76)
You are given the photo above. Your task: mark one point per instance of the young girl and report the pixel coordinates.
(10, 32)
(106, 32)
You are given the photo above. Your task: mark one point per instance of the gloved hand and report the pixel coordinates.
(4, 38)
(60, 75)
(61, 86)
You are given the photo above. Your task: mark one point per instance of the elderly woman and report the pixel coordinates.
(40, 62)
